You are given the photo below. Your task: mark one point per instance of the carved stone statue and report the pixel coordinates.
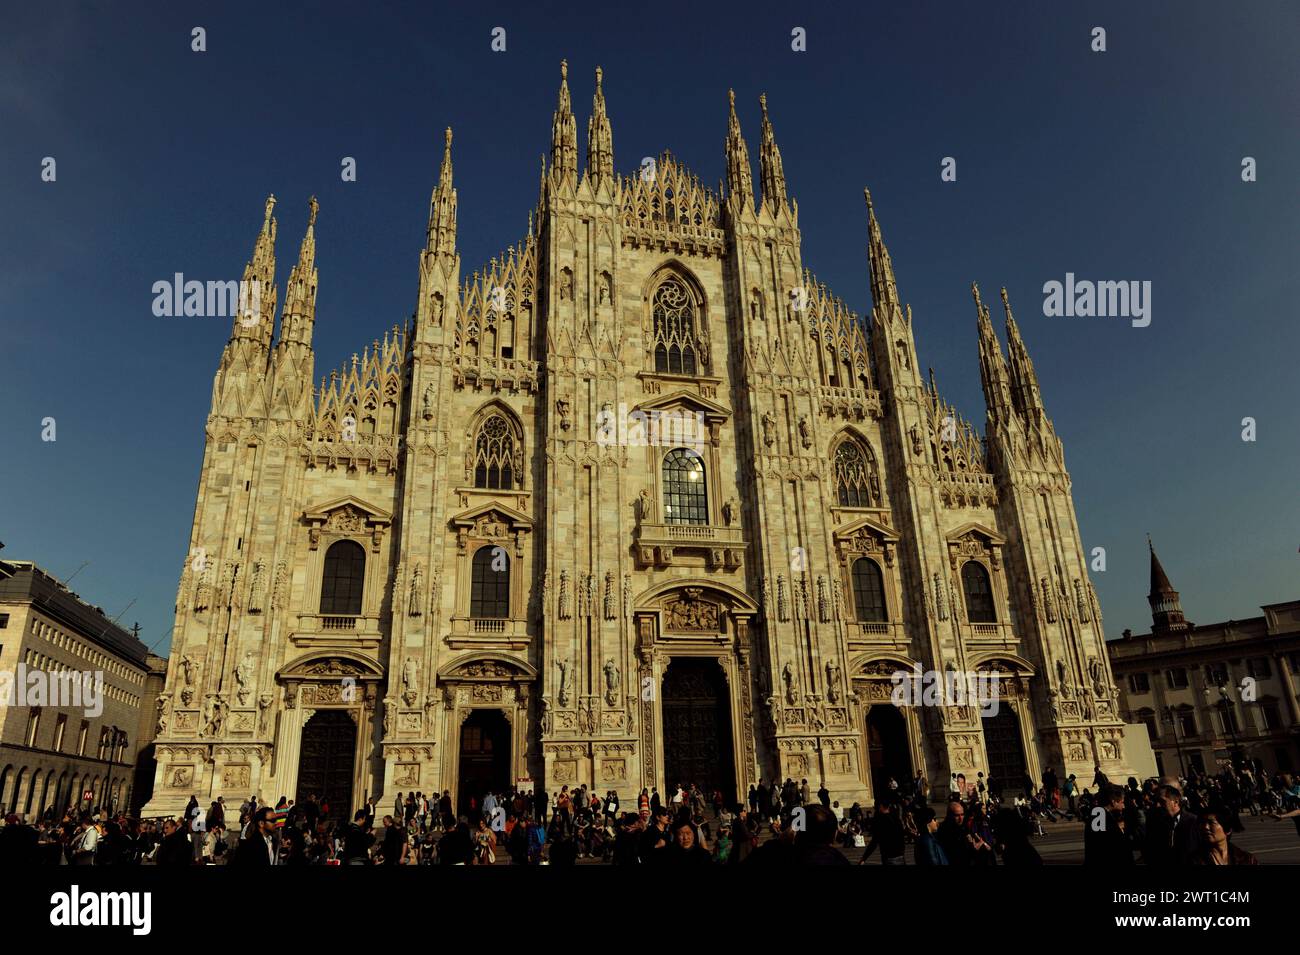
(426, 403)
(610, 606)
(612, 680)
(563, 609)
(729, 511)
(263, 712)
(410, 681)
(388, 718)
(164, 712)
(244, 678)
(645, 507)
(562, 410)
(791, 691)
(563, 695)
(805, 432)
(833, 681)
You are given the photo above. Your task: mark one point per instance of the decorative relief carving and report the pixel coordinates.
(690, 613)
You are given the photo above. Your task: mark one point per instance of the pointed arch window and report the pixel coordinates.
(496, 455)
(869, 591)
(489, 596)
(344, 579)
(979, 593)
(685, 497)
(673, 309)
(853, 476)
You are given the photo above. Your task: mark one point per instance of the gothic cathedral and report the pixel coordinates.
(639, 503)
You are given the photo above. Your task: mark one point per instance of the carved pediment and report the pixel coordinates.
(335, 666)
(866, 536)
(349, 510)
(483, 668)
(974, 540)
(488, 515)
(683, 399)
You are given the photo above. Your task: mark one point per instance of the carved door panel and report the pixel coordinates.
(1002, 741)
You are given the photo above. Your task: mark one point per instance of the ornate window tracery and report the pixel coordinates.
(685, 496)
(855, 480)
(496, 459)
(675, 344)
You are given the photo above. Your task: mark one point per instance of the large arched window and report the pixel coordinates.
(869, 591)
(979, 593)
(685, 498)
(673, 309)
(344, 579)
(495, 455)
(490, 585)
(853, 476)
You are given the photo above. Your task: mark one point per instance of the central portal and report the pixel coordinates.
(697, 728)
(887, 748)
(484, 758)
(329, 748)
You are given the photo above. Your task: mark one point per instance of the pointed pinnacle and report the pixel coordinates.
(866, 193)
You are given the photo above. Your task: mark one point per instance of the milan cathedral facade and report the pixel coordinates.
(476, 556)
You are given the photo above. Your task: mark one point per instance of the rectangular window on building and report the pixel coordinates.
(4, 620)
(1228, 717)
(60, 727)
(1196, 763)
(1216, 674)
(1139, 683)
(33, 724)
(1176, 678)
(1259, 668)
(1186, 721)
(81, 737)
(1271, 715)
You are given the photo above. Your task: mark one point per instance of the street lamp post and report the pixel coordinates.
(1225, 701)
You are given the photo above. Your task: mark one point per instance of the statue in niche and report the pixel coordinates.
(612, 680)
(244, 678)
(164, 711)
(645, 507)
(564, 682)
(426, 404)
(805, 432)
(791, 691)
(769, 429)
(410, 679)
(729, 511)
(263, 711)
(562, 410)
(833, 681)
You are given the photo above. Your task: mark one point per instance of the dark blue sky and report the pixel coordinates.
(1121, 165)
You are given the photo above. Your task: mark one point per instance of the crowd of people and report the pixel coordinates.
(1178, 822)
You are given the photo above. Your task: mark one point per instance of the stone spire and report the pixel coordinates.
(600, 140)
(300, 292)
(740, 178)
(1024, 382)
(1166, 611)
(564, 134)
(442, 207)
(993, 367)
(770, 167)
(256, 314)
(884, 290)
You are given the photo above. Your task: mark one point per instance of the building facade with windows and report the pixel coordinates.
(639, 502)
(1215, 695)
(61, 746)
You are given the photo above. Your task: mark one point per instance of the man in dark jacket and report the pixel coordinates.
(1173, 833)
(1105, 832)
(952, 835)
(175, 848)
(357, 840)
(816, 843)
(260, 846)
(887, 834)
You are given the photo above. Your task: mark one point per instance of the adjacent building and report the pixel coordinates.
(639, 502)
(1213, 695)
(77, 698)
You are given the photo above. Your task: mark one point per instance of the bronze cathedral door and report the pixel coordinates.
(697, 728)
(329, 747)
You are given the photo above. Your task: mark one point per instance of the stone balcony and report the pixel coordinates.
(497, 633)
(328, 631)
(657, 545)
